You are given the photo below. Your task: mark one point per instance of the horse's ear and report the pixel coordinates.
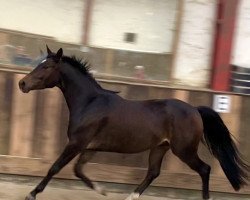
(59, 54)
(48, 50)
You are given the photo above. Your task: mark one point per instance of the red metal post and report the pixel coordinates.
(226, 17)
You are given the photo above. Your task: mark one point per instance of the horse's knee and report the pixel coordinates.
(53, 170)
(154, 173)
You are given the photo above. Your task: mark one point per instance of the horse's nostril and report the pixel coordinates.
(21, 84)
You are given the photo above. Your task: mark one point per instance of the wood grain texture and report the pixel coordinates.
(5, 107)
(50, 124)
(47, 118)
(244, 136)
(22, 118)
(112, 173)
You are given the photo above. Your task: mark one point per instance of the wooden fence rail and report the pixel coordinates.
(34, 125)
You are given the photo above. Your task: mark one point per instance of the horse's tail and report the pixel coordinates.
(221, 145)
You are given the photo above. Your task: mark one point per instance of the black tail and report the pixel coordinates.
(221, 145)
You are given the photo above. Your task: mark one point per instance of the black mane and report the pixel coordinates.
(84, 67)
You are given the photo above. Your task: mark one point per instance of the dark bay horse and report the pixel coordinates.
(100, 120)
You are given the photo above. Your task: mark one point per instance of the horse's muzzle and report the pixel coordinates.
(23, 86)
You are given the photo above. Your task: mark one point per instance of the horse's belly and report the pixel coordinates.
(119, 144)
(129, 135)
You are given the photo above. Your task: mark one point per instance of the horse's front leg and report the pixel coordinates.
(70, 151)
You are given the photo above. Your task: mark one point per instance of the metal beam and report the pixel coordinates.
(225, 26)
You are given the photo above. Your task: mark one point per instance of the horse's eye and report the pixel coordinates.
(46, 67)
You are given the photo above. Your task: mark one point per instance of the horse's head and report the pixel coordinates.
(45, 75)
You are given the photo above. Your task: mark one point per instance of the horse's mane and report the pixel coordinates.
(84, 67)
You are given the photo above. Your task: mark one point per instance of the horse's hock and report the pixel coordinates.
(33, 133)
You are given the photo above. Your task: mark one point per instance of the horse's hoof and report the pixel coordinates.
(133, 196)
(100, 189)
(30, 197)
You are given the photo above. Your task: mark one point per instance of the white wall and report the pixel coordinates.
(62, 19)
(153, 22)
(241, 49)
(193, 59)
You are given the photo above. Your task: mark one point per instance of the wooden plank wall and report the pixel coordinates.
(34, 126)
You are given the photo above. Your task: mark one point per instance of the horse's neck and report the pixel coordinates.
(77, 89)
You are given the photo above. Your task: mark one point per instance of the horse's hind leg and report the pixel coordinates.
(83, 159)
(191, 158)
(155, 159)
